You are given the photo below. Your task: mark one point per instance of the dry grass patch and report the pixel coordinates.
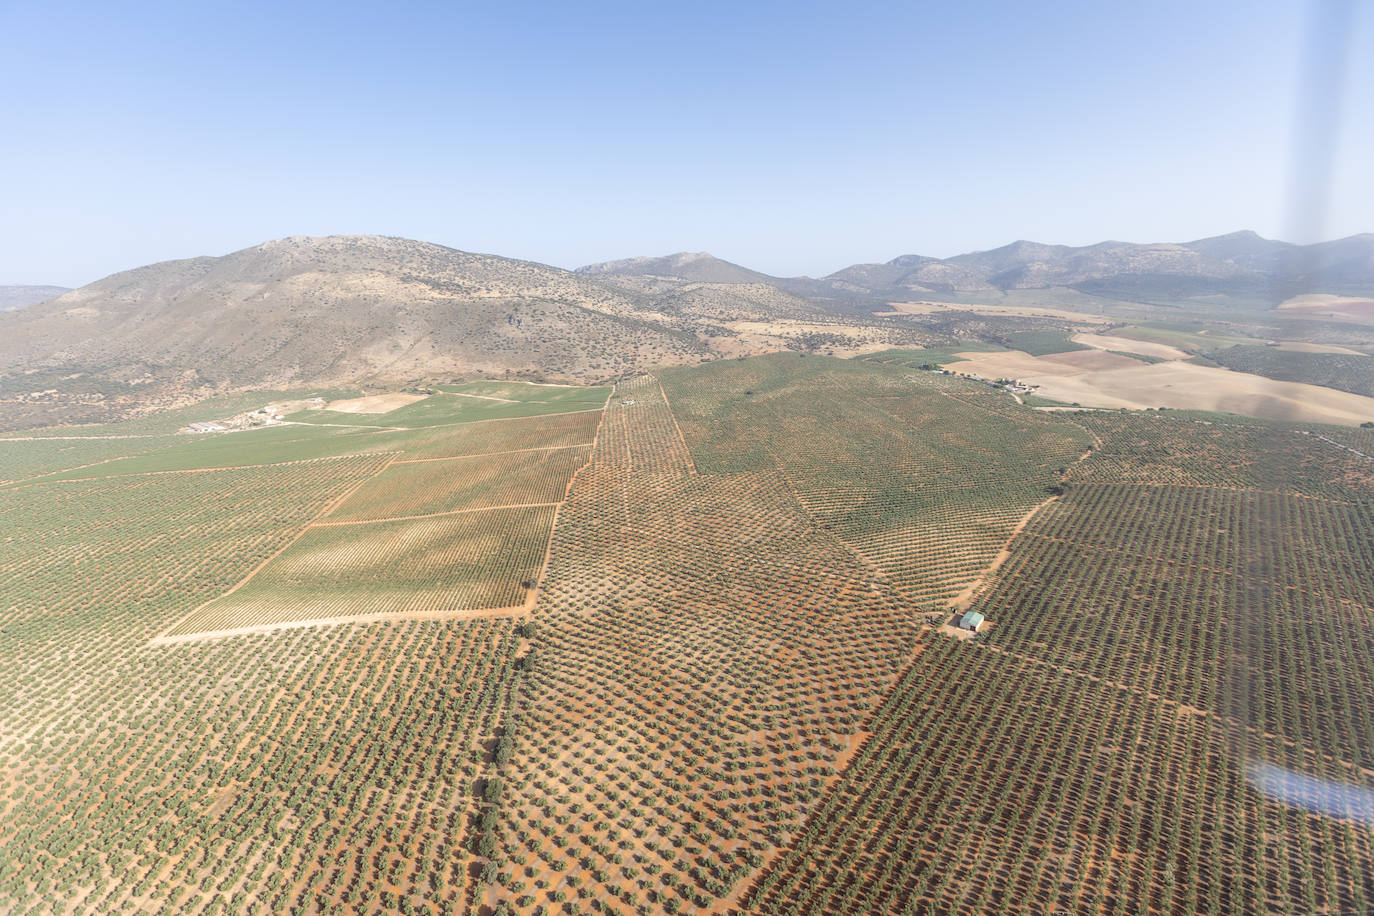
(1176, 385)
(374, 403)
(1010, 311)
(1127, 345)
(1357, 309)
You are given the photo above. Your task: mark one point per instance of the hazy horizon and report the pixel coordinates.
(791, 140)
(716, 254)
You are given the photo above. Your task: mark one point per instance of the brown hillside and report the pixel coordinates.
(332, 310)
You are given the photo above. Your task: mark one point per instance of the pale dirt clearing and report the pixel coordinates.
(460, 614)
(481, 397)
(374, 403)
(1176, 385)
(1324, 305)
(1020, 311)
(1091, 360)
(1126, 345)
(1295, 346)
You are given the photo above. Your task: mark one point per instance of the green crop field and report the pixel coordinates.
(1043, 343)
(1193, 338)
(422, 536)
(915, 358)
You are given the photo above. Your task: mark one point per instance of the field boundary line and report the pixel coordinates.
(1223, 488)
(11, 484)
(965, 598)
(340, 425)
(864, 732)
(507, 710)
(65, 438)
(962, 600)
(333, 504)
(319, 521)
(406, 518)
(227, 467)
(510, 451)
(375, 617)
(1179, 707)
(488, 397)
(532, 598)
(412, 429)
(691, 465)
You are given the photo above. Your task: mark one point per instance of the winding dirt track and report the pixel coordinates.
(962, 600)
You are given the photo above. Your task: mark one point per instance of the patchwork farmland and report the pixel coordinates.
(676, 648)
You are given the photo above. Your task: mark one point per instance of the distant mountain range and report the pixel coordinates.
(1241, 263)
(369, 309)
(15, 297)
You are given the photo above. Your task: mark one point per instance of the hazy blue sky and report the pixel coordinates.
(791, 137)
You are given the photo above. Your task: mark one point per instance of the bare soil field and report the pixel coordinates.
(1127, 345)
(1016, 311)
(1090, 360)
(375, 403)
(1323, 305)
(1176, 385)
(771, 336)
(1296, 346)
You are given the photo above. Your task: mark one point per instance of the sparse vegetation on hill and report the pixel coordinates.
(332, 310)
(1343, 371)
(14, 297)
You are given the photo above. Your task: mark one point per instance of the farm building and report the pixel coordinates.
(971, 620)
